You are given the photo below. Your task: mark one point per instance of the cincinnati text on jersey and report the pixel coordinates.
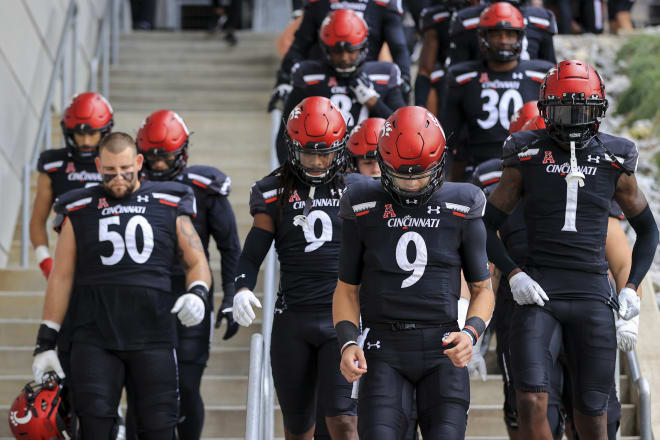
(499, 84)
(120, 209)
(317, 202)
(84, 176)
(411, 222)
(565, 168)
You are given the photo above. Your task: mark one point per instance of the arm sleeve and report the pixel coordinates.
(510, 153)
(257, 244)
(451, 116)
(222, 225)
(547, 49)
(303, 40)
(386, 105)
(473, 251)
(645, 246)
(497, 252)
(352, 248)
(396, 40)
(459, 48)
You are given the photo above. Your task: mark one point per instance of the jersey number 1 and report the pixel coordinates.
(120, 246)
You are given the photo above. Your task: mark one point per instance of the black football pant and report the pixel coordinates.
(98, 376)
(399, 362)
(588, 338)
(305, 362)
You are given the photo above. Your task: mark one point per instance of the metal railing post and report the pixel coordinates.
(644, 393)
(105, 55)
(114, 20)
(25, 216)
(254, 387)
(74, 50)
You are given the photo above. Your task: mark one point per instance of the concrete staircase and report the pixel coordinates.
(222, 94)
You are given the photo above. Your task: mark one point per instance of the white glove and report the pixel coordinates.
(626, 333)
(43, 363)
(629, 303)
(477, 365)
(242, 309)
(527, 291)
(280, 93)
(363, 89)
(189, 309)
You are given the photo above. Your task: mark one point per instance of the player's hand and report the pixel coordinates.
(280, 93)
(626, 333)
(363, 89)
(353, 364)
(189, 309)
(226, 312)
(477, 365)
(44, 259)
(527, 291)
(43, 363)
(629, 303)
(461, 353)
(242, 309)
(405, 85)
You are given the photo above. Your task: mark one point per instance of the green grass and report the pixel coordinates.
(642, 99)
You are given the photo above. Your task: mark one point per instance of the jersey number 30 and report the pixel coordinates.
(121, 245)
(418, 265)
(499, 112)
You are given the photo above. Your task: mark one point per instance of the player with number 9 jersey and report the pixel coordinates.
(405, 239)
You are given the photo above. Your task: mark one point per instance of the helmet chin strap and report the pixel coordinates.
(575, 174)
(574, 179)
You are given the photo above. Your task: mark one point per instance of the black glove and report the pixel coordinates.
(280, 91)
(405, 85)
(227, 302)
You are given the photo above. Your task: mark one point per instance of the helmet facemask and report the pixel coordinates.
(407, 198)
(314, 175)
(176, 161)
(573, 118)
(501, 52)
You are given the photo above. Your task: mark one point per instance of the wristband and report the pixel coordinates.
(347, 334)
(41, 253)
(468, 331)
(46, 339)
(201, 289)
(476, 325)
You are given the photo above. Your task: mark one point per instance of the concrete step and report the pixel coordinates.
(139, 99)
(209, 84)
(192, 72)
(180, 37)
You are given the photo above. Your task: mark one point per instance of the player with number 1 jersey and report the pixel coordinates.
(405, 239)
(297, 206)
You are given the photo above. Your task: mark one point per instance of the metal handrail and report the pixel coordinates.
(260, 417)
(65, 68)
(644, 393)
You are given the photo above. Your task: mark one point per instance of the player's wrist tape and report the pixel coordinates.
(347, 334)
(201, 289)
(46, 339)
(474, 327)
(256, 246)
(41, 253)
(645, 245)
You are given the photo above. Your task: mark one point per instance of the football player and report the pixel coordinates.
(116, 277)
(362, 145)
(405, 238)
(482, 95)
(86, 120)
(537, 43)
(383, 18)
(297, 206)
(569, 172)
(358, 88)
(163, 141)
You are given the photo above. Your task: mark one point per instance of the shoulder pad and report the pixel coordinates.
(487, 173)
(52, 160)
(433, 15)
(360, 197)
(536, 69)
(463, 73)
(540, 18)
(383, 73)
(209, 178)
(308, 73)
(466, 19)
(74, 200)
(624, 151)
(173, 194)
(264, 193)
(464, 200)
(520, 147)
(353, 178)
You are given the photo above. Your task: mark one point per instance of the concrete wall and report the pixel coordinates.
(29, 34)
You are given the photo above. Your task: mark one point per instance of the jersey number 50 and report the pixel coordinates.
(120, 246)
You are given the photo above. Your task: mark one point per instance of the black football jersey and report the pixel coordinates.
(314, 78)
(438, 17)
(540, 26)
(131, 241)
(410, 258)
(308, 251)
(215, 216)
(567, 224)
(481, 102)
(65, 173)
(384, 21)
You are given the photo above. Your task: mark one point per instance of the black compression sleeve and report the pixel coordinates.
(422, 89)
(497, 253)
(473, 251)
(645, 245)
(222, 225)
(257, 244)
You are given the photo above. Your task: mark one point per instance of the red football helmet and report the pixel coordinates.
(38, 413)
(572, 102)
(163, 135)
(501, 15)
(363, 141)
(412, 146)
(86, 114)
(528, 111)
(344, 30)
(315, 126)
(536, 123)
